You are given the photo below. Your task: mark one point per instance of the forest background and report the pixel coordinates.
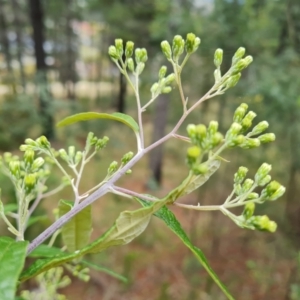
(54, 62)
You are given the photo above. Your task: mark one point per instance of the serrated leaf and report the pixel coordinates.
(192, 182)
(104, 270)
(123, 118)
(12, 258)
(45, 251)
(127, 227)
(172, 223)
(76, 233)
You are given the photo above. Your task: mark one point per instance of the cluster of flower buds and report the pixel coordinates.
(116, 53)
(114, 166)
(80, 272)
(203, 139)
(93, 141)
(242, 121)
(179, 45)
(163, 84)
(40, 144)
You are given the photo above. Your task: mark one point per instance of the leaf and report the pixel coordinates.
(123, 118)
(172, 223)
(11, 207)
(127, 227)
(33, 220)
(192, 182)
(76, 233)
(12, 258)
(105, 270)
(45, 251)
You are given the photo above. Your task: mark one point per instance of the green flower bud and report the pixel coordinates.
(78, 157)
(63, 154)
(260, 127)
(247, 185)
(218, 58)
(252, 196)
(216, 139)
(201, 169)
(249, 210)
(127, 157)
(193, 152)
(166, 90)
(162, 72)
(31, 142)
(248, 60)
(279, 192)
(154, 88)
(112, 52)
(128, 172)
(238, 189)
(169, 79)
(238, 55)
(233, 131)
(213, 127)
(29, 156)
(37, 164)
(30, 182)
(191, 130)
(190, 41)
(200, 131)
(15, 168)
(25, 147)
(101, 143)
(267, 138)
(89, 138)
(262, 172)
(130, 64)
(71, 152)
(140, 55)
(240, 113)
(240, 175)
(250, 143)
(273, 188)
(178, 46)
(264, 223)
(112, 167)
(43, 142)
(217, 75)
(140, 68)
(119, 47)
(129, 49)
(236, 141)
(166, 49)
(196, 43)
(265, 180)
(233, 80)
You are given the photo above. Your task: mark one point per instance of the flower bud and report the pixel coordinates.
(101, 143)
(216, 139)
(252, 196)
(278, 193)
(31, 142)
(240, 113)
(43, 142)
(190, 41)
(238, 55)
(233, 80)
(119, 47)
(112, 52)
(236, 141)
(71, 152)
(249, 210)
(162, 72)
(200, 131)
(37, 164)
(30, 182)
(178, 46)
(140, 55)
(193, 152)
(128, 172)
(166, 90)
(191, 130)
(154, 88)
(78, 157)
(14, 168)
(169, 79)
(89, 138)
(262, 172)
(63, 154)
(218, 58)
(267, 138)
(166, 49)
(217, 75)
(29, 156)
(240, 175)
(250, 143)
(201, 169)
(247, 185)
(127, 157)
(273, 191)
(260, 127)
(129, 49)
(140, 68)
(264, 223)
(213, 127)
(112, 167)
(196, 43)
(233, 131)
(130, 64)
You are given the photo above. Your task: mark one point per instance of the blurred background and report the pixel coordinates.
(54, 62)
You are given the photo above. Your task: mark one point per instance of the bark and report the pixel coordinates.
(37, 22)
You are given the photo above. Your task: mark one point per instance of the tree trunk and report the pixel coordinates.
(120, 106)
(159, 125)
(37, 22)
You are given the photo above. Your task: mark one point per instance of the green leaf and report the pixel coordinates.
(76, 233)
(170, 220)
(35, 219)
(192, 182)
(12, 258)
(123, 118)
(127, 227)
(105, 270)
(45, 251)
(11, 207)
